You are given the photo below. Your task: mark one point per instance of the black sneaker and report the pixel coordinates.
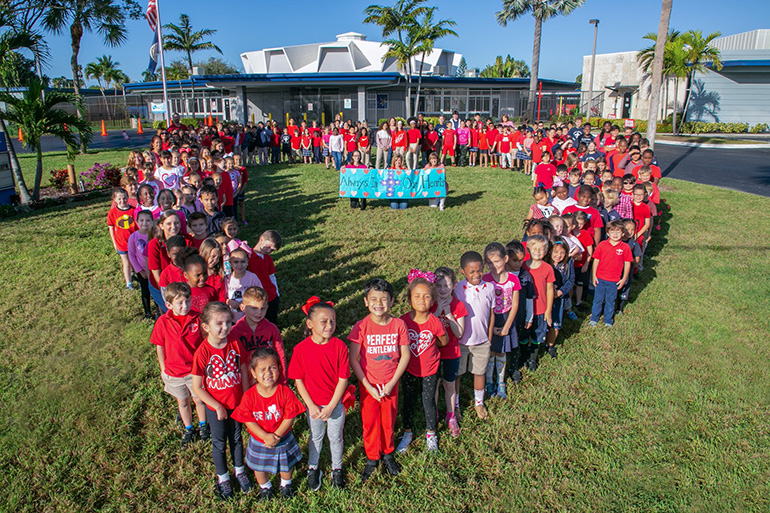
(265, 494)
(516, 376)
(243, 482)
(179, 419)
(188, 437)
(552, 351)
(532, 360)
(314, 479)
(225, 490)
(369, 468)
(390, 464)
(205, 431)
(287, 492)
(338, 479)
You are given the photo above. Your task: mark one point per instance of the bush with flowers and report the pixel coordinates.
(101, 176)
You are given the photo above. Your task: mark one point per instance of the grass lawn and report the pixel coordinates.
(667, 411)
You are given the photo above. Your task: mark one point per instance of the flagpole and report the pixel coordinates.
(162, 66)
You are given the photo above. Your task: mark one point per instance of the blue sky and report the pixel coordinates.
(255, 24)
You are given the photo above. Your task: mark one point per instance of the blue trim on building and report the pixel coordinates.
(745, 63)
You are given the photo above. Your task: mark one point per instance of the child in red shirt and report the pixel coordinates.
(176, 335)
(544, 172)
(610, 271)
(452, 313)
(268, 410)
(642, 215)
(483, 147)
(261, 263)
(320, 369)
(543, 279)
(449, 139)
(379, 355)
(585, 194)
(583, 264)
(426, 336)
(196, 274)
(253, 330)
(220, 380)
(121, 223)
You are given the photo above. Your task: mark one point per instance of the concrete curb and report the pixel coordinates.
(716, 146)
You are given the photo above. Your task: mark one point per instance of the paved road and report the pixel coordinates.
(739, 169)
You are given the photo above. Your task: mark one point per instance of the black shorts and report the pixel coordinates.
(582, 279)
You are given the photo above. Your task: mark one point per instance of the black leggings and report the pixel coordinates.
(223, 433)
(144, 285)
(409, 391)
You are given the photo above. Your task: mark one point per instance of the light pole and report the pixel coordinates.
(595, 23)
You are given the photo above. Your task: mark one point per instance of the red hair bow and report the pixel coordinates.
(313, 300)
(416, 273)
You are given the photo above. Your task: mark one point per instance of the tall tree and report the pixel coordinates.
(674, 62)
(425, 32)
(103, 70)
(217, 66)
(39, 115)
(107, 17)
(700, 53)
(14, 35)
(506, 68)
(397, 20)
(657, 70)
(541, 10)
(462, 68)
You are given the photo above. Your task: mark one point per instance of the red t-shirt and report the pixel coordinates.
(228, 142)
(449, 137)
(320, 367)
(425, 356)
(504, 143)
(172, 274)
(474, 137)
(452, 349)
(295, 142)
(413, 135)
(616, 158)
(594, 217)
(544, 174)
(640, 213)
(537, 151)
(363, 141)
(218, 282)
(225, 190)
(221, 371)
(541, 276)
(317, 136)
(305, 141)
(611, 260)
(380, 351)
(263, 267)
(492, 137)
(268, 412)
(429, 141)
(483, 144)
(123, 225)
(399, 139)
(157, 259)
(350, 142)
(586, 238)
(201, 296)
(196, 243)
(655, 171)
(179, 337)
(266, 334)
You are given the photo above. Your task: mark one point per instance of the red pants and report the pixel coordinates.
(379, 420)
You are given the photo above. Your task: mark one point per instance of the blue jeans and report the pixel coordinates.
(605, 292)
(158, 298)
(398, 205)
(390, 155)
(337, 155)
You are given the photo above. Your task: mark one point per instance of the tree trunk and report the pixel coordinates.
(676, 93)
(687, 94)
(664, 109)
(409, 89)
(104, 96)
(535, 70)
(76, 34)
(38, 173)
(24, 194)
(657, 71)
(419, 85)
(192, 86)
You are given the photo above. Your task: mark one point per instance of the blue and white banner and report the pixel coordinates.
(153, 55)
(388, 184)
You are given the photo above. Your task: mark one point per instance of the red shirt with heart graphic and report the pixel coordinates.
(221, 371)
(268, 412)
(425, 356)
(452, 349)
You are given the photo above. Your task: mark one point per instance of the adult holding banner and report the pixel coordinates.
(356, 164)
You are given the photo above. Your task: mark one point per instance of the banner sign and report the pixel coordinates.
(402, 184)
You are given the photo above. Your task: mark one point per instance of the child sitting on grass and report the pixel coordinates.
(176, 336)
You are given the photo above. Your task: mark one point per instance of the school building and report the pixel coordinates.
(347, 76)
(735, 94)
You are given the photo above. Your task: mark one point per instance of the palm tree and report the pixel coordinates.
(699, 54)
(107, 17)
(397, 20)
(674, 62)
(149, 77)
(506, 68)
(657, 71)
(37, 116)
(14, 35)
(425, 33)
(103, 69)
(541, 10)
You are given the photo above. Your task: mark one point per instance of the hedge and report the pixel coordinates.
(161, 124)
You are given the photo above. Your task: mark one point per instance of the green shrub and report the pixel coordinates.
(59, 179)
(759, 128)
(161, 124)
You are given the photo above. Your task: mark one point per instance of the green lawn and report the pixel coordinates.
(668, 411)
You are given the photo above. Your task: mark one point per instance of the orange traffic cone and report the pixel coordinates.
(21, 135)
(216, 119)
(139, 130)
(104, 130)
(210, 121)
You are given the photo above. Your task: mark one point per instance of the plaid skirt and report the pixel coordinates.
(325, 152)
(307, 153)
(273, 460)
(523, 155)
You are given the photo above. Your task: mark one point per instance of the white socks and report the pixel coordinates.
(478, 397)
(222, 478)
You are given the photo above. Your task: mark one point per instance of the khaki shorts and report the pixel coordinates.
(474, 359)
(181, 388)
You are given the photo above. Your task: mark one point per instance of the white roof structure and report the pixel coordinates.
(350, 53)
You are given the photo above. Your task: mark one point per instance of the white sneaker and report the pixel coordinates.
(432, 442)
(403, 445)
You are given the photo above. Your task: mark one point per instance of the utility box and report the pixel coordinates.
(7, 188)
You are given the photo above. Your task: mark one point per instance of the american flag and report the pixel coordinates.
(152, 14)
